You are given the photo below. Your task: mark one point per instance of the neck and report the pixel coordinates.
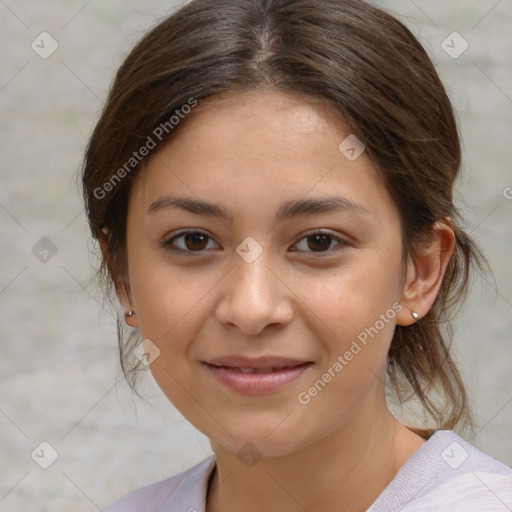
(346, 470)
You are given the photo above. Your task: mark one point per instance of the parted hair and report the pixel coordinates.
(370, 68)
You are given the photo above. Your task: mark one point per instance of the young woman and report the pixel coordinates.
(270, 183)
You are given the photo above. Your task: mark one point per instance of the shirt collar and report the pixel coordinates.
(190, 495)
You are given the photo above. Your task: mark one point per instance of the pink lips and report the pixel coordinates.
(256, 376)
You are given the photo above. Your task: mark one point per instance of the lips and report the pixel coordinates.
(256, 370)
(253, 376)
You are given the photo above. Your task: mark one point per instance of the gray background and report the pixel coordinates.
(59, 376)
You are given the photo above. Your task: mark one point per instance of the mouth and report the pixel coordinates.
(256, 376)
(258, 370)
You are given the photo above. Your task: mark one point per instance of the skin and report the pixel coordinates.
(250, 153)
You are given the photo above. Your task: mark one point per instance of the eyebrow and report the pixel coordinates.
(287, 210)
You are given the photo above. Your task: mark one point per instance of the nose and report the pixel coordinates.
(254, 297)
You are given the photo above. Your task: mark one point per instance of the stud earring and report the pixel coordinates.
(414, 315)
(130, 313)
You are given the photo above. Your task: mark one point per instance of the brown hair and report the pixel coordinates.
(380, 80)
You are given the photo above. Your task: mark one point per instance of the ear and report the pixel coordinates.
(123, 290)
(425, 274)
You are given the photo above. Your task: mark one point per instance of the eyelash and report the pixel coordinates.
(167, 244)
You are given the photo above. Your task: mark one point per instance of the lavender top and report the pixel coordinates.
(445, 474)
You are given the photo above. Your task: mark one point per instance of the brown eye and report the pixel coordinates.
(320, 242)
(189, 242)
(195, 241)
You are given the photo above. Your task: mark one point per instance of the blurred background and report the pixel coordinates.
(60, 381)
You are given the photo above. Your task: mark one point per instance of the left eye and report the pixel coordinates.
(320, 242)
(197, 242)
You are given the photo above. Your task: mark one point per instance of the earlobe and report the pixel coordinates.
(409, 312)
(130, 316)
(425, 274)
(130, 319)
(123, 294)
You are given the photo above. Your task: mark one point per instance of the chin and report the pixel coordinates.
(268, 437)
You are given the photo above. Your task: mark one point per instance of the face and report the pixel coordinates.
(271, 316)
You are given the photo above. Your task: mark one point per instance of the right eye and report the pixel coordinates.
(190, 241)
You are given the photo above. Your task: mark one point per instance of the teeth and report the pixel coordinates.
(259, 370)
(256, 370)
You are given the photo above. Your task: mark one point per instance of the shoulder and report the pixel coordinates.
(449, 474)
(189, 485)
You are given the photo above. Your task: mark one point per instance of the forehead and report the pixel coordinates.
(270, 109)
(255, 148)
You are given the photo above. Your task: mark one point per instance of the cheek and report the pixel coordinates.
(171, 308)
(167, 299)
(353, 296)
(354, 319)
(162, 292)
